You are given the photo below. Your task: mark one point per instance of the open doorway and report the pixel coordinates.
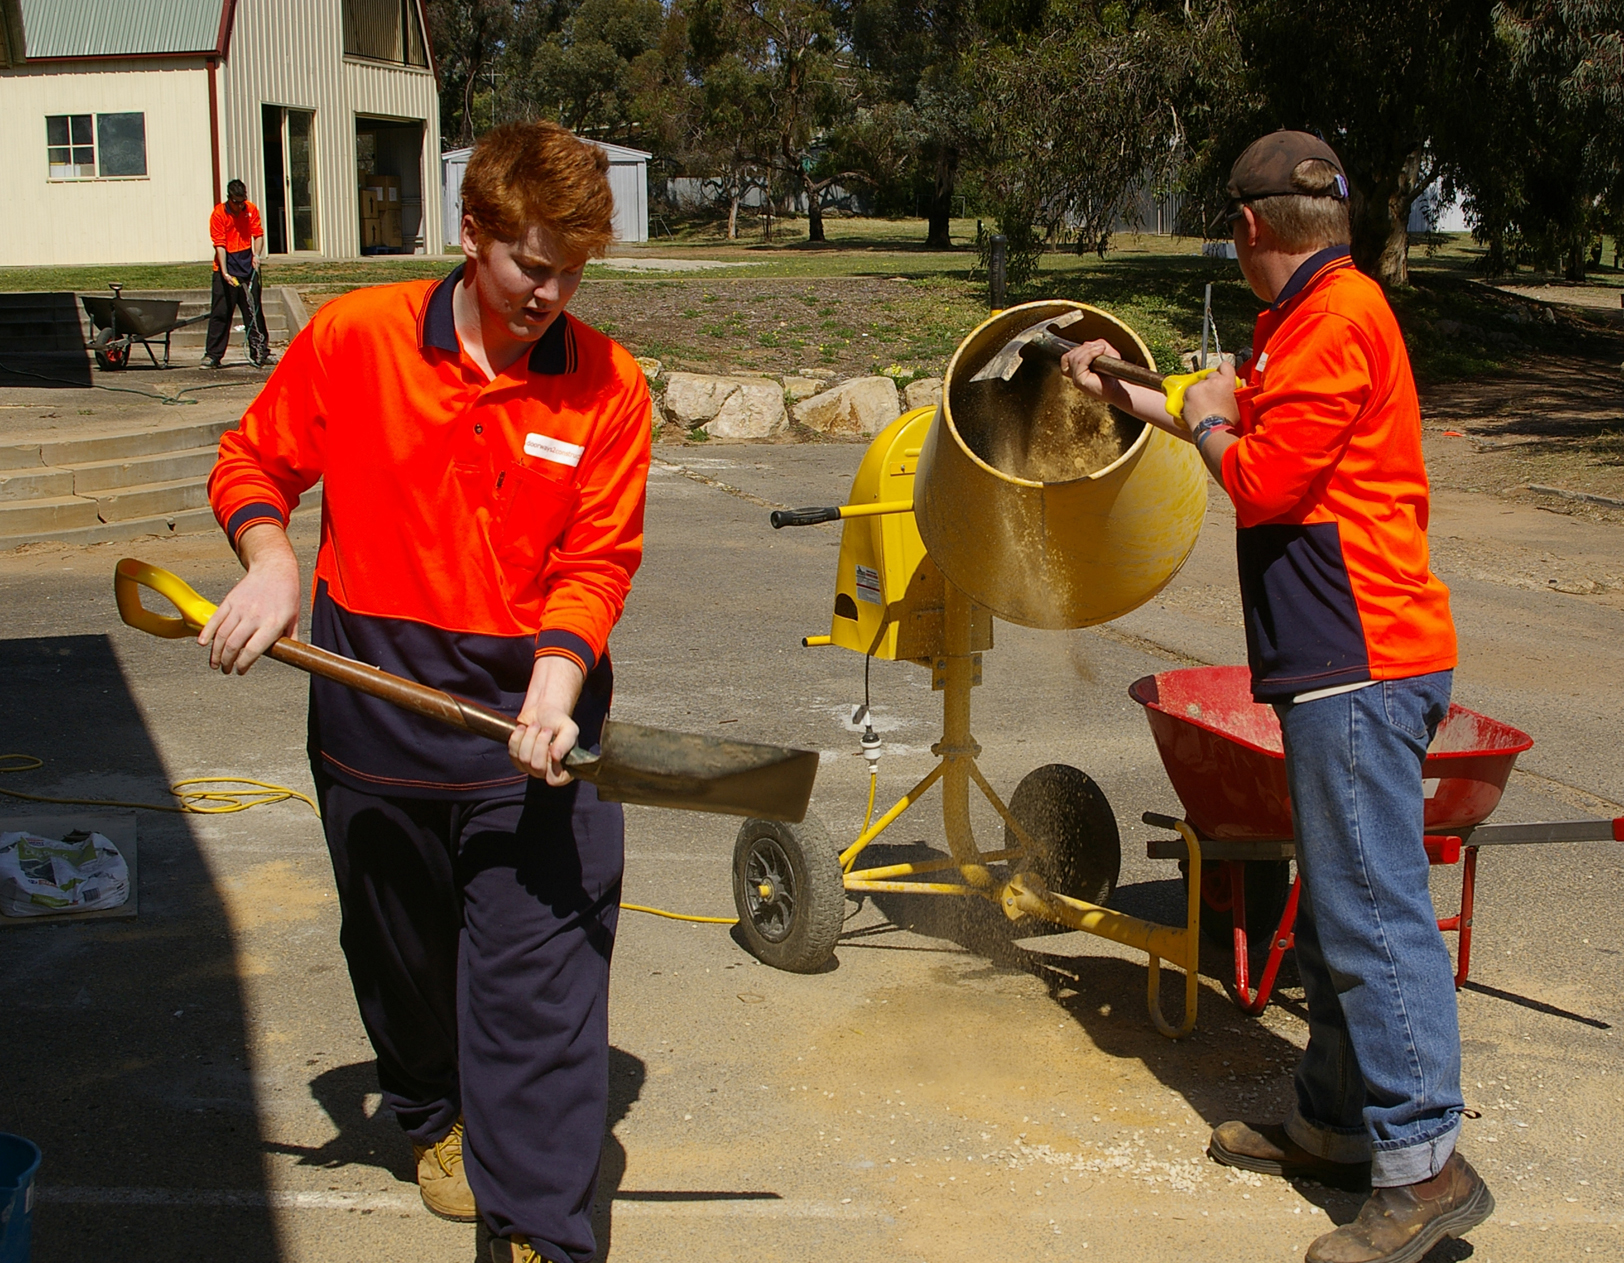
(289, 212)
(389, 170)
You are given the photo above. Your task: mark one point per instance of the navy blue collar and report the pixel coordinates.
(552, 355)
(1305, 273)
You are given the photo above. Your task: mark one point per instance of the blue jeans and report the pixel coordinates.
(1380, 1080)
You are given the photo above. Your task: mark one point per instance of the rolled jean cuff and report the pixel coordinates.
(1414, 1160)
(1334, 1144)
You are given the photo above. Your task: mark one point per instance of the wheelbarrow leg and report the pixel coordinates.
(1462, 924)
(1281, 942)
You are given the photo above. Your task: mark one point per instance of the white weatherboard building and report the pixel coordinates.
(122, 120)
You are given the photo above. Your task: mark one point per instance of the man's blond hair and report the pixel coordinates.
(1314, 217)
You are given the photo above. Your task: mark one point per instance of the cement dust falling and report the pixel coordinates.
(1040, 427)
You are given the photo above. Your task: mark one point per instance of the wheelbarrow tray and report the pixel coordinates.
(1226, 760)
(142, 317)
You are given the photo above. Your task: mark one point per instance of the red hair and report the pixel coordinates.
(525, 175)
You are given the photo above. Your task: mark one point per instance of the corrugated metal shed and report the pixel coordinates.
(128, 28)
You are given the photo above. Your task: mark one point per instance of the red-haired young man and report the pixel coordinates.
(483, 458)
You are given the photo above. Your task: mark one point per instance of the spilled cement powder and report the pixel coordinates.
(1040, 427)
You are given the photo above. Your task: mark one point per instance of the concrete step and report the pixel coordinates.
(24, 520)
(152, 500)
(183, 521)
(134, 471)
(107, 447)
(35, 484)
(50, 321)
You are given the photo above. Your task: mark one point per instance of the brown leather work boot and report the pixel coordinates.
(440, 1178)
(1399, 1225)
(1265, 1148)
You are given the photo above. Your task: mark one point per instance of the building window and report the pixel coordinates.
(385, 30)
(72, 142)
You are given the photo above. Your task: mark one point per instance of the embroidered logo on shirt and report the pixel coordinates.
(555, 450)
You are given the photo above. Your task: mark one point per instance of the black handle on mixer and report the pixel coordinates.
(802, 517)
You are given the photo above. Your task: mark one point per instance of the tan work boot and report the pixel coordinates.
(440, 1178)
(1399, 1225)
(1265, 1148)
(514, 1250)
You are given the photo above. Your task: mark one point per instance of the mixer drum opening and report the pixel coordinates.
(1039, 427)
(1044, 505)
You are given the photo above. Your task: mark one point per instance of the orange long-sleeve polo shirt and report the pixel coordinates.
(468, 525)
(1331, 495)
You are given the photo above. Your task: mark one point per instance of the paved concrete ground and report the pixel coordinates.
(202, 1087)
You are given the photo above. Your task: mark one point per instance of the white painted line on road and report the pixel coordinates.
(658, 1205)
(278, 1199)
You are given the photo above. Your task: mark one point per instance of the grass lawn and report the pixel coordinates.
(874, 296)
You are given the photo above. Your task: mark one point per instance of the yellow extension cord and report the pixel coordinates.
(220, 802)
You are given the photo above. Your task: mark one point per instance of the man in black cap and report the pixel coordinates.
(1317, 440)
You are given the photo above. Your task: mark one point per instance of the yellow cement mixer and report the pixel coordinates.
(1023, 500)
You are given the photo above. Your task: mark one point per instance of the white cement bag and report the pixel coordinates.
(79, 873)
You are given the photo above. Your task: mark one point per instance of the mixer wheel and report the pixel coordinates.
(1268, 885)
(1067, 815)
(790, 893)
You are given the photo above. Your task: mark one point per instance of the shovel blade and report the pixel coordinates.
(1007, 362)
(654, 767)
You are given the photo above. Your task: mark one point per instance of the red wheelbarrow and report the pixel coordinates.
(1224, 755)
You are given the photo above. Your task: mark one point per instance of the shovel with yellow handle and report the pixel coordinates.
(652, 767)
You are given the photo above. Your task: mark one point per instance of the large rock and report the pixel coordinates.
(924, 393)
(863, 405)
(801, 387)
(754, 411)
(727, 407)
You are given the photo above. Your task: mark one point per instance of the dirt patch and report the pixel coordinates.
(1554, 420)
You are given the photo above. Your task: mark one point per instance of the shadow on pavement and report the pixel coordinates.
(364, 1139)
(627, 1074)
(127, 1058)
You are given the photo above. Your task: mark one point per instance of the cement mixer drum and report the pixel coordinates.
(1045, 506)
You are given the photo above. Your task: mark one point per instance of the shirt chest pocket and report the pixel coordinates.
(532, 511)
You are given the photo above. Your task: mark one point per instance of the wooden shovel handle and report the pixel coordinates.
(420, 699)
(1053, 345)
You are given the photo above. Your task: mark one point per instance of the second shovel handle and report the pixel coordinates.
(420, 699)
(1054, 346)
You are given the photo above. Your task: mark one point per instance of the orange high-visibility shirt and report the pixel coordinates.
(1331, 495)
(235, 233)
(468, 525)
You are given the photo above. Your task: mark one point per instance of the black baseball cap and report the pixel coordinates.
(1264, 170)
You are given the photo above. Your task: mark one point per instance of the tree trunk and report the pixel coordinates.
(1380, 217)
(1575, 270)
(938, 236)
(814, 210)
(733, 215)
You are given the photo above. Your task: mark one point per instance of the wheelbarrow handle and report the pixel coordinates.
(131, 576)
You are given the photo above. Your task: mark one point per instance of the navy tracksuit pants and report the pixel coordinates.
(478, 936)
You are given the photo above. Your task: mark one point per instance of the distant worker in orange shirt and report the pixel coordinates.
(239, 243)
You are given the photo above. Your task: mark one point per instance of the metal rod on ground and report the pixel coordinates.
(1206, 325)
